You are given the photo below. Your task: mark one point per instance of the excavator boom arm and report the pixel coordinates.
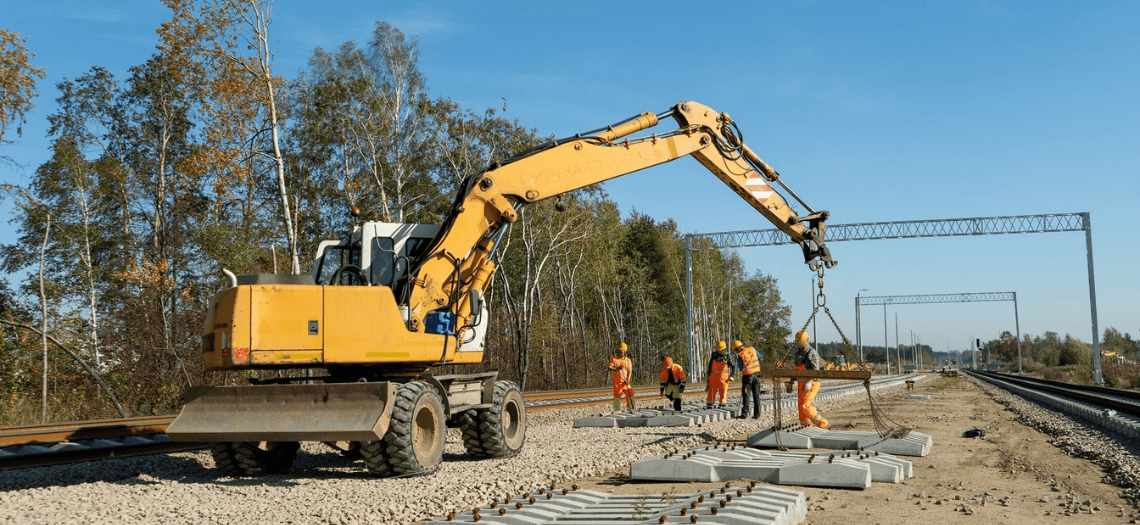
(458, 259)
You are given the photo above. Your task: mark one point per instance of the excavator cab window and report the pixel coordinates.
(386, 263)
(339, 265)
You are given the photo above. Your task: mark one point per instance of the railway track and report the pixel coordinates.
(1111, 408)
(54, 444)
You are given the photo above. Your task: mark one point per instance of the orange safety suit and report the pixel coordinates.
(672, 382)
(622, 369)
(720, 369)
(808, 359)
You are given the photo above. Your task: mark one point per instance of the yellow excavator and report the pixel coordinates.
(391, 301)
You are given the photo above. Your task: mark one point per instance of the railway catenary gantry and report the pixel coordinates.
(870, 300)
(1011, 224)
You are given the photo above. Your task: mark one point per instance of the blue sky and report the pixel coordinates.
(875, 111)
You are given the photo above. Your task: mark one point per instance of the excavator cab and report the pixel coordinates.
(375, 254)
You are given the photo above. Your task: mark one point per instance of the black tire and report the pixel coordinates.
(502, 429)
(468, 422)
(255, 458)
(417, 434)
(375, 456)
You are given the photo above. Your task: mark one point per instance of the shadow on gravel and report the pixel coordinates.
(143, 470)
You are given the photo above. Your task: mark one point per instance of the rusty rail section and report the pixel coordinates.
(101, 429)
(60, 443)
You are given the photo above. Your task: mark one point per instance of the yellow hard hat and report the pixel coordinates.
(801, 337)
(720, 345)
(622, 347)
(736, 345)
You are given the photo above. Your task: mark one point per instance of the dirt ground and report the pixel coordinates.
(1013, 475)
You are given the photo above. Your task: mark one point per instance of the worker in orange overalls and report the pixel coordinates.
(622, 369)
(720, 370)
(672, 382)
(749, 379)
(808, 359)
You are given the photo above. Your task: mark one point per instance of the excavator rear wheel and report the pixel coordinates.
(502, 429)
(416, 434)
(375, 455)
(468, 423)
(255, 458)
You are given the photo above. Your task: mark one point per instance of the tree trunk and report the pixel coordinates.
(44, 312)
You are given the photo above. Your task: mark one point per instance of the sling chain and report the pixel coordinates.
(885, 427)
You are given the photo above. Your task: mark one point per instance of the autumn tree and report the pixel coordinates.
(17, 83)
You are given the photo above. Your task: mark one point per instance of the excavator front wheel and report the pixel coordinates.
(502, 429)
(417, 433)
(254, 458)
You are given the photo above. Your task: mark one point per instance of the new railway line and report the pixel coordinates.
(61, 443)
(1113, 409)
(325, 487)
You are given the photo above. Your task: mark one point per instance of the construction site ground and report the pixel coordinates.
(1014, 469)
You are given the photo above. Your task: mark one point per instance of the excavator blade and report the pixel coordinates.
(322, 412)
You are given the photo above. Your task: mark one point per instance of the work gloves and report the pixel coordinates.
(807, 386)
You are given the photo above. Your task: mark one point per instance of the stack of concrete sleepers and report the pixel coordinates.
(689, 416)
(744, 505)
(725, 462)
(914, 444)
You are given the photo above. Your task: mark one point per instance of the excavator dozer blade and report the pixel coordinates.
(323, 412)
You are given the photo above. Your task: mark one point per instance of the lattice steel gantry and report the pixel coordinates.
(1013, 224)
(885, 300)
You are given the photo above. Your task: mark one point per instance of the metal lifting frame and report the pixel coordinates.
(944, 298)
(1050, 223)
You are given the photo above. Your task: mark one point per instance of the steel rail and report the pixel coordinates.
(70, 442)
(73, 431)
(1123, 401)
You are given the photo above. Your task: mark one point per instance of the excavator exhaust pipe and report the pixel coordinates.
(323, 412)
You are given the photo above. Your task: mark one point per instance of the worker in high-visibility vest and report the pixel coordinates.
(808, 359)
(721, 367)
(749, 378)
(672, 382)
(622, 369)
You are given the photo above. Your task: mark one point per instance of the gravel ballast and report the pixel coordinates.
(324, 487)
(1078, 439)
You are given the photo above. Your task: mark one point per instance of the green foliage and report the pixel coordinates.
(1074, 352)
